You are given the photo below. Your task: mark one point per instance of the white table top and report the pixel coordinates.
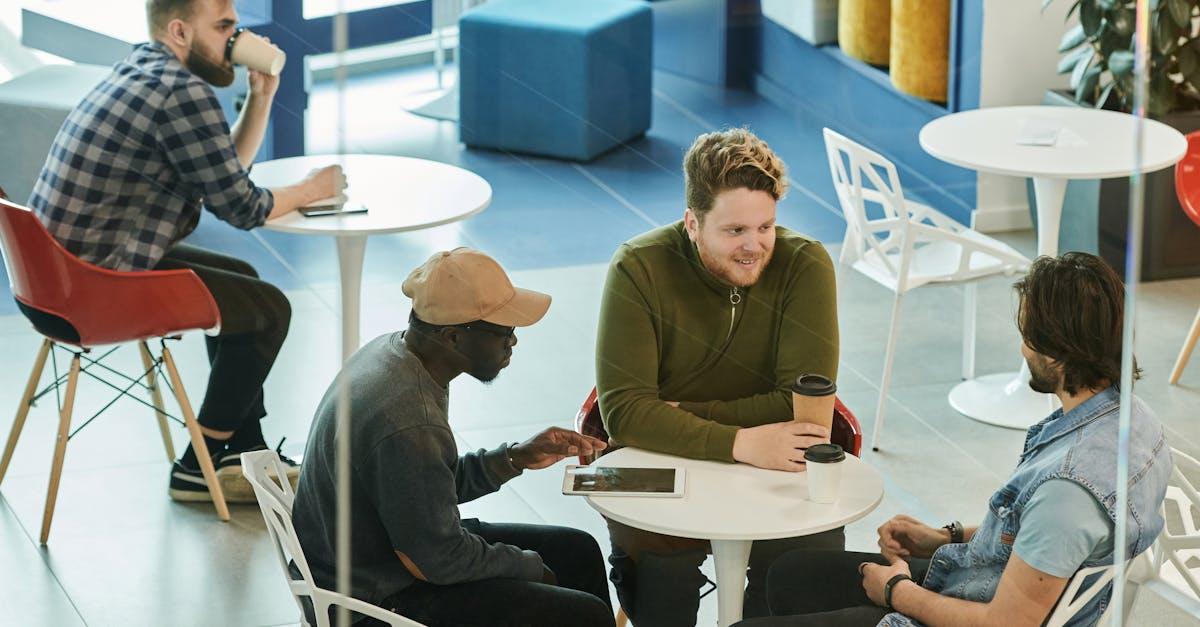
(1092, 144)
(738, 502)
(400, 193)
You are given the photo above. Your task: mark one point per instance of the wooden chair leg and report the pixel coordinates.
(1186, 353)
(193, 427)
(60, 448)
(156, 396)
(39, 364)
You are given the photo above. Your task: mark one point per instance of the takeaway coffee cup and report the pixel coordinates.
(825, 462)
(246, 48)
(812, 399)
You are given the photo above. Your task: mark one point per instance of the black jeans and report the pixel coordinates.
(254, 322)
(579, 600)
(658, 577)
(815, 588)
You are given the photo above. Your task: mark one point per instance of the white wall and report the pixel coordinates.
(1019, 55)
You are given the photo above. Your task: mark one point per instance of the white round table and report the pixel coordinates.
(1091, 144)
(732, 505)
(400, 194)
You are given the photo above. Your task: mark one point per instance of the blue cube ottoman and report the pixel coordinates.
(561, 78)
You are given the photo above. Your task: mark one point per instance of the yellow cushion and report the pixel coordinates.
(864, 27)
(920, 55)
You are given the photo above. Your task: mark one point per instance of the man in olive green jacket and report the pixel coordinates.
(704, 324)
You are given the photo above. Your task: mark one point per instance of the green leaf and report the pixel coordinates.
(1090, 18)
(1104, 94)
(1166, 34)
(1181, 12)
(1068, 62)
(1081, 67)
(1071, 38)
(1046, 3)
(1121, 62)
(1087, 85)
(1189, 61)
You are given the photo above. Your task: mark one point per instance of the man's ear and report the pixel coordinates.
(178, 32)
(691, 223)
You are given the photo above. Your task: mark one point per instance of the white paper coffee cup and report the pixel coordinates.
(246, 48)
(825, 463)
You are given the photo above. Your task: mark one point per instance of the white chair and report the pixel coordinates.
(908, 245)
(261, 469)
(1181, 505)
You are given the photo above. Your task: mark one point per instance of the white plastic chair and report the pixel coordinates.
(910, 245)
(1182, 504)
(261, 469)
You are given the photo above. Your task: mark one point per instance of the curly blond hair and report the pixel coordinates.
(730, 159)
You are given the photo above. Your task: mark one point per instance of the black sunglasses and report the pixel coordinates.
(498, 331)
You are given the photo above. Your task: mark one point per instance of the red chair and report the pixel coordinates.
(846, 430)
(78, 306)
(1187, 188)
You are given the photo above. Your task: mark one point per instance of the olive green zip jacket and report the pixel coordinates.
(671, 331)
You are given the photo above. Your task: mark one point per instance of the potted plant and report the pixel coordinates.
(1098, 53)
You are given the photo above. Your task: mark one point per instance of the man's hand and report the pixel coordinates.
(548, 576)
(778, 446)
(324, 182)
(876, 576)
(904, 537)
(551, 446)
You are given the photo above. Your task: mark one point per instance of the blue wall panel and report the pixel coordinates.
(860, 102)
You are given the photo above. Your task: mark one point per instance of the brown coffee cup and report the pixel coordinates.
(812, 399)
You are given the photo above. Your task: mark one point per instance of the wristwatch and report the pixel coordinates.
(956, 532)
(891, 585)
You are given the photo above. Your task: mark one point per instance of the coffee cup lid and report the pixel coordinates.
(814, 385)
(824, 453)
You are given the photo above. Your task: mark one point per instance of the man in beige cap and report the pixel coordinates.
(411, 552)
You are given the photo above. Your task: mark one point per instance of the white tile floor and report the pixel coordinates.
(121, 553)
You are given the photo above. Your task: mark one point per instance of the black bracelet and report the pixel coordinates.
(891, 585)
(957, 532)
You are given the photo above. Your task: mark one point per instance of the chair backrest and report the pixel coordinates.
(1187, 178)
(1085, 585)
(268, 476)
(70, 300)
(846, 432)
(1179, 543)
(862, 178)
(263, 470)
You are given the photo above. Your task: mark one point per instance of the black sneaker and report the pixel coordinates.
(233, 482)
(187, 484)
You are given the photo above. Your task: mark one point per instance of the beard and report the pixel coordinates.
(215, 74)
(728, 270)
(1042, 378)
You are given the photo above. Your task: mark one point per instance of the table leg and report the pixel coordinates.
(1005, 399)
(731, 557)
(351, 249)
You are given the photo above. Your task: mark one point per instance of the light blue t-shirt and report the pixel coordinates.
(1062, 527)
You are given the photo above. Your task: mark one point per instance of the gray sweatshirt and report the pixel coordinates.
(408, 480)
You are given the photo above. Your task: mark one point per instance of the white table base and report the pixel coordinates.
(351, 250)
(731, 558)
(1006, 400)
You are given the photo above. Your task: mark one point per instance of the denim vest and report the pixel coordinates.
(1080, 446)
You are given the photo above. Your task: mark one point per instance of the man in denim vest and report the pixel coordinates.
(1055, 515)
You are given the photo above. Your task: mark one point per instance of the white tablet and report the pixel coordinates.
(616, 481)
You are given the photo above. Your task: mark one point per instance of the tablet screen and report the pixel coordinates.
(607, 479)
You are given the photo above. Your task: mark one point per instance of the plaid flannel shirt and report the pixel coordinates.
(136, 159)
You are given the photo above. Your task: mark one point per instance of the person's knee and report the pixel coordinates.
(242, 267)
(278, 311)
(592, 612)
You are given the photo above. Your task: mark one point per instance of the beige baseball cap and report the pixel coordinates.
(465, 285)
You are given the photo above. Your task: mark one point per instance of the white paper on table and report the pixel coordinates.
(1037, 131)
